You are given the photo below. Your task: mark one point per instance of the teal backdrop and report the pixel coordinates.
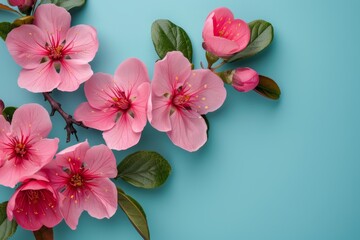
(274, 170)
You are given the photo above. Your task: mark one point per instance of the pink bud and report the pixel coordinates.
(2, 106)
(17, 2)
(245, 79)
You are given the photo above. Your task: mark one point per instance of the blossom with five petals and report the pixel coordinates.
(179, 96)
(223, 35)
(34, 204)
(80, 175)
(23, 146)
(117, 105)
(52, 54)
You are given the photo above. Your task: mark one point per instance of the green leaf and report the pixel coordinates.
(135, 213)
(144, 169)
(44, 233)
(5, 28)
(7, 228)
(7, 8)
(23, 20)
(268, 88)
(67, 4)
(8, 113)
(168, 37)
(262, 34)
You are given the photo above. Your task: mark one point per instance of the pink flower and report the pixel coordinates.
(245, 79)
(23, 146)
(34, 204)
(80, 175)
(52, 54)
(20, 3)
(117, 105)
(223, 35)
(180, 96)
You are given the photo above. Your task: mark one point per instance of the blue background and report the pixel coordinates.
(270, 170)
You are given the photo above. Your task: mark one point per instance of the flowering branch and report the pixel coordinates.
(70, 121)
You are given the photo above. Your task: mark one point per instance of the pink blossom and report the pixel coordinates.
(23, 146)
(180, 96)
(223, 35)
(117, 105)
(34, 204)
(245, 79)
(52, 54)
(80, 175)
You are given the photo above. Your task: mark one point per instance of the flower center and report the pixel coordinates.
(33, 196)
(55, 53)
(20, 149)
(76, 180)
(182, 101)
(121, 102)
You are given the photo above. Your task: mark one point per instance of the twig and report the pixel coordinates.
(70, 121)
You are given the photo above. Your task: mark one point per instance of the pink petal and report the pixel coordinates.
(160, 113)
(4, 128)
(131, 74)
(170, 73)
(187, 133)
(43, 151)
(31, 120)
(139, 106)
(99, 119)
(72, 74)
(207, 90)
(71, 206)
(221, 47)
(239, 32)
(81, 43)
(121, 136)
(77, 151)
(98, 90)
(208, 29)
(100, 162)
(102, 199)
(26, 45)
(245, 79)
(53, 20)
(44, 78)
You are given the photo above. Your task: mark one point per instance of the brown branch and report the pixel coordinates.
(44, 233)
(70, 121)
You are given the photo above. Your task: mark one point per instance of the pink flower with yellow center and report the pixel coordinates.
(52, 54)
(24, 148)
(80, 175)
(34, 204)
(117, 105)
(223, 35)
(179, 96)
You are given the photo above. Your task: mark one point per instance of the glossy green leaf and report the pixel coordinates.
(5, 28)
(144, 169)
(262, 34)
(268, 88)
(7, 8)
(8, 113)
(167, 37)
(44, 233)
(7, 228)
(135, 213)
(67, 4)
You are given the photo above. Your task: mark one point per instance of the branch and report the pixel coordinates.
(70, 121)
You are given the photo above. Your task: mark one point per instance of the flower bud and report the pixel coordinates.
(25, 6)
(2, 106)
(245, 79)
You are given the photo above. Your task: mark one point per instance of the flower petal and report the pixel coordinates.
(121, 136)
(26, 44)
(139, 105)
(44, 78)
(71, 206)
(98, 90)
(187, 133)
(131, 74)
(100, 162)
(74, 154)
(81, 43)
(221, 47)
(170, 73)
(101, 199)
(72, 74)
(160, 113)
(44, 151)
(53, 20)
(94, 118)
(31, 120)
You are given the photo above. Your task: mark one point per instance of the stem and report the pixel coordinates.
(44, 233)
(70, 121)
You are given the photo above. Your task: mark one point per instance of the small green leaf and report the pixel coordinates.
(67, 4)
(8, 113)
(262, 34)
(5, 28)
(44, 233)
(135, 213)
(168, 37)
(7, 228)
(23, 20)
(144, 169)
(268, 88)
(7, 8)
